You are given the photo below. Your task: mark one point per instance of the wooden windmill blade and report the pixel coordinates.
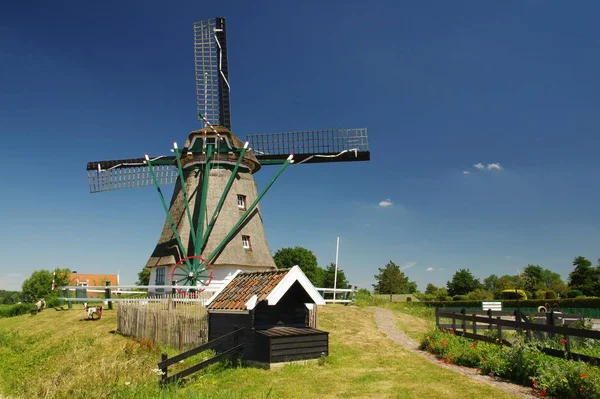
(315, 146)
(120, 174)
(212, 72)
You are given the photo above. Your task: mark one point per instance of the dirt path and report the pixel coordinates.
(385, 322)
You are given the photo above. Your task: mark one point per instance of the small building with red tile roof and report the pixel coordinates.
(274, 308)
(84, 280)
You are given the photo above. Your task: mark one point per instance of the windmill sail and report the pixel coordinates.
(129, 173)
(315, 146)
(212, 72)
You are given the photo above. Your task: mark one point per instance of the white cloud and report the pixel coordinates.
(385, 203)
(433, 269)
(479, 166)
(494, 166)
(408, 265)
(466, 172)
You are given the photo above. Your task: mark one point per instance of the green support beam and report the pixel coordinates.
(242, 219)
(166, 208)
(200, 227)
(213, 219)
(184, 191)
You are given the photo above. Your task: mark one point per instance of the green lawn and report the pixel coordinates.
(57, 354)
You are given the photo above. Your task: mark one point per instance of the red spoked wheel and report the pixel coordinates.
(192, 274)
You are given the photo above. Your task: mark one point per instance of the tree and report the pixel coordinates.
(584, 277)
(533, 275)
(391, 280)
(144, 277)
(431, 289)
(37, 286)
(462, 283)
(329, 276)
(289, 257)
(61, 277)
(490, 282)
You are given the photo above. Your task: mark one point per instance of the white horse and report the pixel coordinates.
(41, 304)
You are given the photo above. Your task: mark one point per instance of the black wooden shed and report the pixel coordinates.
(274, 308)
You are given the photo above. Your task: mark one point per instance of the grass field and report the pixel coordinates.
(58, 355)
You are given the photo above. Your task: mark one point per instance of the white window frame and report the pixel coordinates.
(243, 200)
(82, 284)
(162, 274)
(247, 243)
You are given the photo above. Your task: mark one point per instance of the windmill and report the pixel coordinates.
(213, 222)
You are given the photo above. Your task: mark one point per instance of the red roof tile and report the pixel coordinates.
(245, 285)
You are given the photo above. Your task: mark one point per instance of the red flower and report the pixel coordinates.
(451, 331)
(542, 392)
(484, 359)
(584, 375)
(534, 384)
(563, 341)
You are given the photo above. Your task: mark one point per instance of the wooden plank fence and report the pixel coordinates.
(462, 322)
(232, 352)
(175, 320)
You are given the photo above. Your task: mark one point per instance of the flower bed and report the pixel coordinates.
(522, 362)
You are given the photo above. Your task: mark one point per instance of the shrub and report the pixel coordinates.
(550, 294)
(459, 298)
(574, 294)
(16, 309)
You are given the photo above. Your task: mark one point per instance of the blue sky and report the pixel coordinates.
(442, 86)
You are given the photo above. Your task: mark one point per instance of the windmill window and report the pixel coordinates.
(211, 141)
(241, 201)
(246, 243)
(160, 276)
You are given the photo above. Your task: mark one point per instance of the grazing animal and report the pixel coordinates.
(93, 311)
(41, 304)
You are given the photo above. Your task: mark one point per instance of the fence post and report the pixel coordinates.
(499, 329)
(464, 322)
(107, 294)
(164, 370)
(235, 356)
(568, 346)
(550, 321)
(68, 295)
(489, 313)
(437, 317)
(474, 324)
(453, 322)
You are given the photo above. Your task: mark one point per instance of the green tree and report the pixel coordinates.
(431, 289)
(480, 294)
(286, 258)
(37, 286)
(584, 277)
(61, 277)
(329, 276)
(533, 277)
(462, 283)
(490, 282)
(391, 280)
(144, 276)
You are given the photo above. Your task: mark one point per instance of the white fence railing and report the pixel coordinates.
(158, 293)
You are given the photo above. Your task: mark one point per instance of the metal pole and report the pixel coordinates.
(337, 251)
(225, 240)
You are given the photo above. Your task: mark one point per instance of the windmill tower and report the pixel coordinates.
(213, 222)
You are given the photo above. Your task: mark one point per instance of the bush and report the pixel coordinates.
(550, 294)
(459, 298)
(16, 310)
(523, 363)
(580, 302)
(574, 294)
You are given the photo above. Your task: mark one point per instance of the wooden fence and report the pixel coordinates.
(232, 352)
(461, 323)
(174, 320)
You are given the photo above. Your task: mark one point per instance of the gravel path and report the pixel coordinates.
(385, 322)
